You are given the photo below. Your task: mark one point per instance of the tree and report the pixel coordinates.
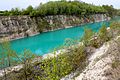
(110, 10)
(87, 37)
(26, 59)
(8, 54)
(42, 25)
(103, 36)
(15, 11)
(28, 10)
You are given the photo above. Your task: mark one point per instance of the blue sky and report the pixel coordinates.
(8, 4)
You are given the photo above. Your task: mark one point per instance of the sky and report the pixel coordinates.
(8, 4)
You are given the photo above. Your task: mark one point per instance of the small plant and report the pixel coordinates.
(115, 64)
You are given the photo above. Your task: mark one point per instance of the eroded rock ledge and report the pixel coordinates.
(104, 63)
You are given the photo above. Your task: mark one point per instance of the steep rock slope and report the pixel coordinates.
(104, 63)
(21, 26)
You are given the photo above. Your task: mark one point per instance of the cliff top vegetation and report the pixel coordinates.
(59, 8)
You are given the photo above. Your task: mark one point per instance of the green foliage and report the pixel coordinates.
(28, 11)
(27, 55)
(26, 59)
(52, 68)
(25, 73)
(7, 55)
(103, 35)
(43, 24)
(78, 58)
(9, 58)
(57, 8)
(55, 68)
(115, 25)
(114, 28)
(110, 10)
(69, 8)
(15, 11)
(87, 36)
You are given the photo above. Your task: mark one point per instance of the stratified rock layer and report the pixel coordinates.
(15, 27)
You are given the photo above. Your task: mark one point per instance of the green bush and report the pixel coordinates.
(87, 37)
(43, 24)
(103, 34)
(7, 55)
(55, 68)
(114, 29)
(115, 25)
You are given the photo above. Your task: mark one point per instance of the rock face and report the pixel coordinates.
(20, 26)
(16, 26)
(104, 63)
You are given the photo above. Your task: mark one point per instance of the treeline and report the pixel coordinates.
(57, 8)
(111, 11)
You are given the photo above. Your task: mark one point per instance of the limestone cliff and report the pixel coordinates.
(20, 26)
(16, 26)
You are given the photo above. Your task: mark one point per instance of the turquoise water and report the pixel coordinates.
(46, 42)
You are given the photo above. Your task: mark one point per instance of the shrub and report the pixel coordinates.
(7, 55)
(87, 37)
(43, 24)
(114, 29)
(115, 25)
(103, 35)
(55, 68)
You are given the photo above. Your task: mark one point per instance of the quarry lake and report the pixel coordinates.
(46, 42)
